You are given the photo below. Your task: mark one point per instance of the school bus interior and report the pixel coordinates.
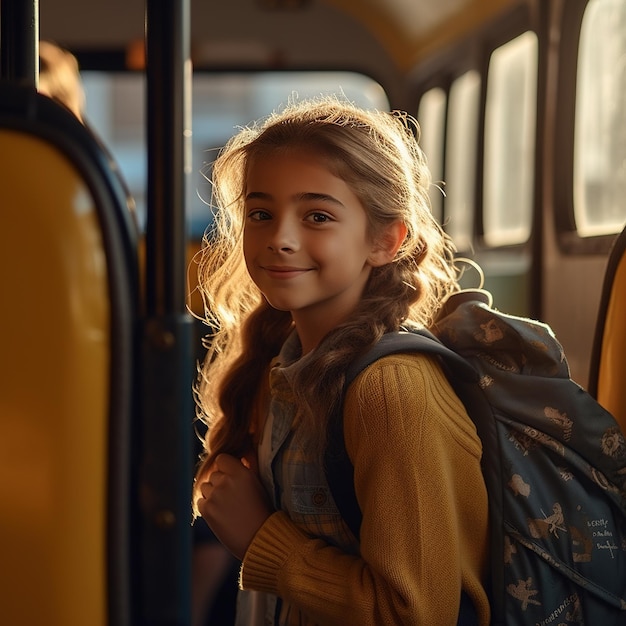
(521, 111)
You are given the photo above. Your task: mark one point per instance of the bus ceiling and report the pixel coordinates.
(272, 33)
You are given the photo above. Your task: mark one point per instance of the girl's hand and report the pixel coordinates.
(234, 503)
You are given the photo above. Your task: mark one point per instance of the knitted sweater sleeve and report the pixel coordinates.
(424, 531)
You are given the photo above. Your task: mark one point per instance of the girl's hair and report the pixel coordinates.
(377, 155)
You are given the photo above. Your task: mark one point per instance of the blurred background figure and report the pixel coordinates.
(59, 77)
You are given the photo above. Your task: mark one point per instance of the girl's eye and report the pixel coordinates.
(319, 218)
(259, 215)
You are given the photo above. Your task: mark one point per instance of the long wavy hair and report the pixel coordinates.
(377, 155)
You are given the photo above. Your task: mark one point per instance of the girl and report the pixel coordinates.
(322, 243)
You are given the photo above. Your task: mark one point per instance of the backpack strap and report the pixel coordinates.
(407, 341)
(339, 469)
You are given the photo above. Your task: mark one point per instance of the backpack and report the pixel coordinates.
(554, 464)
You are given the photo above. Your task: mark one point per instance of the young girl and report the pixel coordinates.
(322, 243)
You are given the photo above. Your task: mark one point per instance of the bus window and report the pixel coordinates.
(461, 158)
(600, 123)
(220, 102)
(431, 116)
(510, 121)
(115, 109)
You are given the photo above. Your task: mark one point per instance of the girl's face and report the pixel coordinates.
(306, 240)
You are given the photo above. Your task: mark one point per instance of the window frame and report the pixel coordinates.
(474, 54)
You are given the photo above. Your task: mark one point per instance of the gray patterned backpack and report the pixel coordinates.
(554, 463)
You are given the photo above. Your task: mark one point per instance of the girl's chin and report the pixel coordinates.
(277, 304)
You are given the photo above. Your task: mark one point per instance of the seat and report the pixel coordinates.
(607, 379)
(68, 271)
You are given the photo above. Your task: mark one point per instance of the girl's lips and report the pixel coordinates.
(284, 272)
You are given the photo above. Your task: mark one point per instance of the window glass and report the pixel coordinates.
(510, 121)
(431, 116)
(461, 139)
(220, 103)
(115, 110)
(600, 126)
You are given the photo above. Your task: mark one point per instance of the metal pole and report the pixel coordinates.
(168, 75)
(166, 462)
(19, 41)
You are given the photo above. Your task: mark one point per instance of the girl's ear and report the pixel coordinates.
(387, 244)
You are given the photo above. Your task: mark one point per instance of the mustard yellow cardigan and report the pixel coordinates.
(424, 531)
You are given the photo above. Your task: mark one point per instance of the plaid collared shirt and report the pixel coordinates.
(293, 475)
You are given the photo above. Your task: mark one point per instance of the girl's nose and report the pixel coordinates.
(284, 237)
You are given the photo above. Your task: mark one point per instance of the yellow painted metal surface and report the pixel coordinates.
(612, 370)
(54, 391)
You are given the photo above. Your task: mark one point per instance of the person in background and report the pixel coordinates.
(59, 77)
(323, 242)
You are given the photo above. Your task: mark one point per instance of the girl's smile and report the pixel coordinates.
(306, 242)
(284, 272)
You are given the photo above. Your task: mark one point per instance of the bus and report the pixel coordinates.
(520, 105)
